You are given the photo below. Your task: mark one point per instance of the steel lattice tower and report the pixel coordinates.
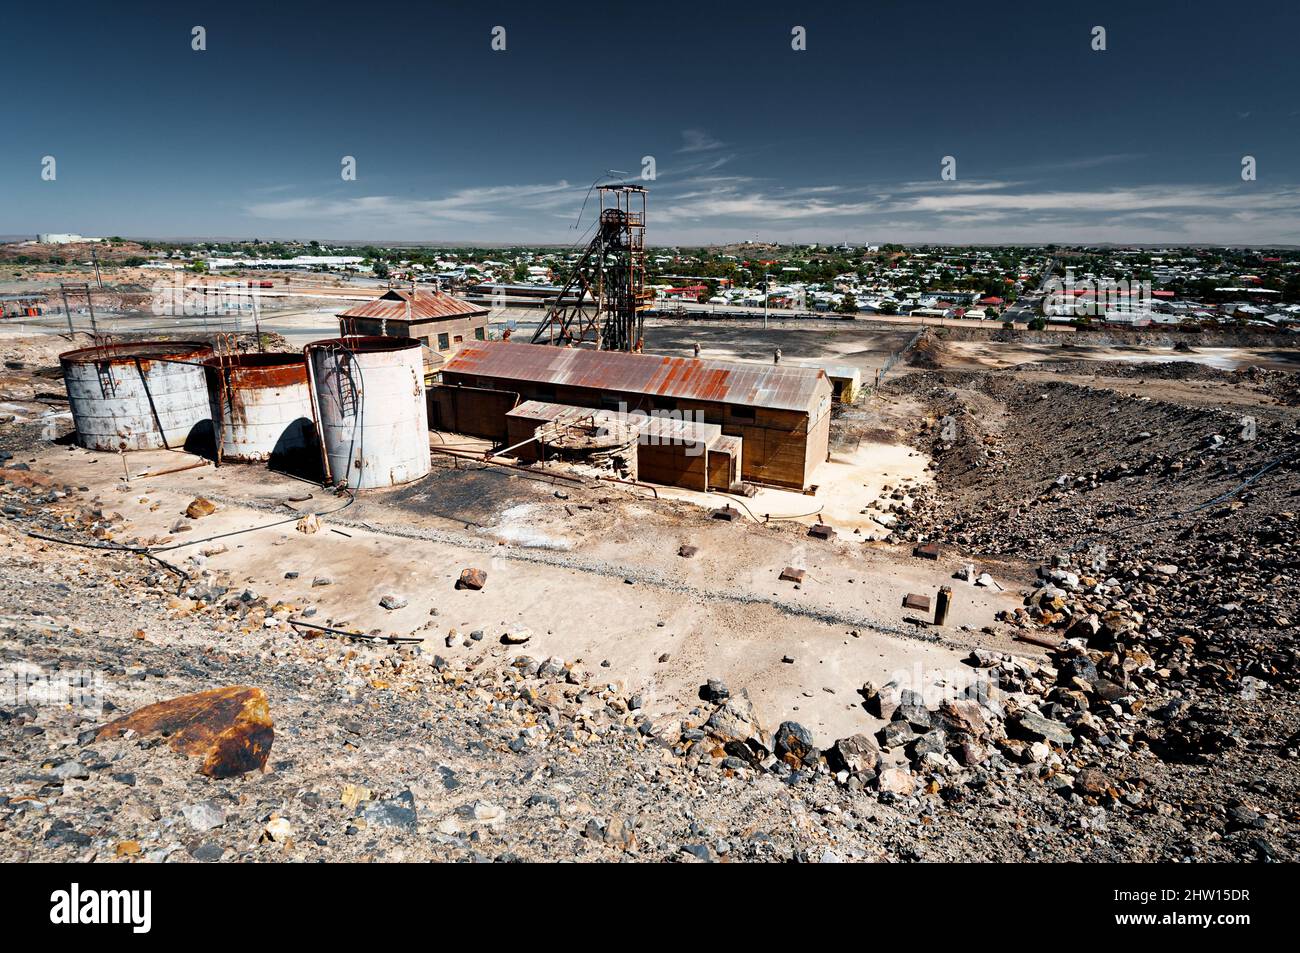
(602, 299)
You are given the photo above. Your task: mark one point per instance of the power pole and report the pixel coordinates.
(257, 321)
(63, 290)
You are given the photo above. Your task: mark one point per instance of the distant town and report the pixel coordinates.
(1079, 286)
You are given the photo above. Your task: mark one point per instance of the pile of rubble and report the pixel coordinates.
(1167, 587)
(893, 504)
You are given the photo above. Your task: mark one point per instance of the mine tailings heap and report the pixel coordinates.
(142, 396)
(368, 396)
(261, 405)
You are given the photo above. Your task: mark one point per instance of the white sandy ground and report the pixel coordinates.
(846, 484)
(721, 614)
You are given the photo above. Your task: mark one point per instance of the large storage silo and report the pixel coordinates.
(261, 406)
(369, 402)
(141, 396)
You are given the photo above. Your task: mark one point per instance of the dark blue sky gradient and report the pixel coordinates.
(752, 140)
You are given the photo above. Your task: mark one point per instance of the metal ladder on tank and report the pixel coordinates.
(349, 391)
(103, 368)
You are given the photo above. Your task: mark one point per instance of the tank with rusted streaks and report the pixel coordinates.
(368, 394)
(141, 396)
(261, 406)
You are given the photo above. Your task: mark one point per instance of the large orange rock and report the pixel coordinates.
(229, 728)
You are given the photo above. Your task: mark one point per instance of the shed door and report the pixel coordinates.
(722, 470)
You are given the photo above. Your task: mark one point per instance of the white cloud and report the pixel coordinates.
(1112, 200)
(982, 212)
(697, 140)
(959, 185)
(710, 207)
(464, 206)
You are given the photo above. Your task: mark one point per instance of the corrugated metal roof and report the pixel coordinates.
(774, 386)
(424, 306)
(665, 428)
(836, 370)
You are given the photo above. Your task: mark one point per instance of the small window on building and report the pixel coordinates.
(742, 415)
(480, 334)
(459, 338)
(444, 342)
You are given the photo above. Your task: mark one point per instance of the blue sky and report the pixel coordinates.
(843, 141)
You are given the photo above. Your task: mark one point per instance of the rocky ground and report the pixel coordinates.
(1167, 536)
(1164, 725)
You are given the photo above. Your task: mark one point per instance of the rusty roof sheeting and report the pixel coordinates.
(772, 386)
(424, 306)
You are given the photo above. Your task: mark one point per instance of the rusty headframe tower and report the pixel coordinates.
(601, 301)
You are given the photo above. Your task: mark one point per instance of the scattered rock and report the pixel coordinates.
(856, 754)
(516, 635)
(715, 692)
(1036, 727)
(230, 729)
(278, 829)
(897, 781)
(200, 507)
(471, 579)
(794, 744)
(204, 816)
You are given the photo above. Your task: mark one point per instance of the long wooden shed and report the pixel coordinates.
(781, 412)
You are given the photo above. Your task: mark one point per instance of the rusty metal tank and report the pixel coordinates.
(368, 394)
(261, 406)
(142, 396)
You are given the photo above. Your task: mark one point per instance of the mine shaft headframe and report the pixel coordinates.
(601, 300)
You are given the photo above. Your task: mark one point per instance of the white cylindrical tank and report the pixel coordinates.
(140, 396)
(261, 406)
(369, 402)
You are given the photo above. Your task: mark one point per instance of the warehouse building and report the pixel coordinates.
(780, 412)
(441, 321)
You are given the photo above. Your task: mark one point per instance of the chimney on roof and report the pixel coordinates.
(776, 356)
(697, 349)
